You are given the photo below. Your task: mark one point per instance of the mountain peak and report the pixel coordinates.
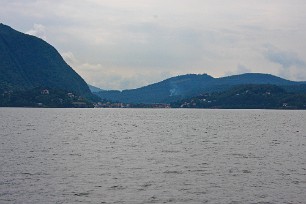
(4, 27)
(28, 62)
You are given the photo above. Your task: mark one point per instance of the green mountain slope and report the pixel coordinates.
(174, 88)
(94, 89)
(27, 62)
(263, 96)
(180, 87)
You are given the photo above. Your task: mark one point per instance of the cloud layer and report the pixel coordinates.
(126, 44)
(39, 31)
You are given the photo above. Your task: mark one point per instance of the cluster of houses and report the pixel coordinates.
(127, 105)
(111, 105)
(45, 92)
(77, 104)
(193, 103)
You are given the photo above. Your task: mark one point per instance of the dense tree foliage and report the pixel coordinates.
(180, 87)
(247, 97)
(27, 62)
(42, 97)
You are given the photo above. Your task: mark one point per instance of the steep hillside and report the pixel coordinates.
(27, 62)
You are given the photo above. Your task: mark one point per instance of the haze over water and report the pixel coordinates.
(152, 156)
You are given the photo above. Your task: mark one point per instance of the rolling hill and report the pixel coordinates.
(185, 86)
(262, 96)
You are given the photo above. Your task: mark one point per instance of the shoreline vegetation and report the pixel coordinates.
(239, 97)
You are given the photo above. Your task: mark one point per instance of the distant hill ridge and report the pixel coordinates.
(259, 96)
(27, 62)
(184, 86)
(94, 89)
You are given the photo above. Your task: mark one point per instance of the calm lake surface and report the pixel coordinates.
(152, 156)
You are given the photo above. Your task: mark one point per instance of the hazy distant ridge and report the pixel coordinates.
(180, 87)
(94, 89)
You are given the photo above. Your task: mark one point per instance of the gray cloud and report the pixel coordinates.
(119, 78)
(291, 65)
(127, 44)
(284, 58)
(38, 30)
(241, 69)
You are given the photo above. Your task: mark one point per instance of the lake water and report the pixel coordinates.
(152, 156)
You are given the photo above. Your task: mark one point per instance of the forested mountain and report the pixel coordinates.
(247, 97)
(180, 87)
(94, 89)
(29, 66)
(40, 97)
(27, 62)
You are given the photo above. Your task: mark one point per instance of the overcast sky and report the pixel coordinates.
(130, 43)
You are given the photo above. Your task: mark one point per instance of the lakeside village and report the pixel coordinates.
(49, 98)
(107, 104)
(56, 98)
